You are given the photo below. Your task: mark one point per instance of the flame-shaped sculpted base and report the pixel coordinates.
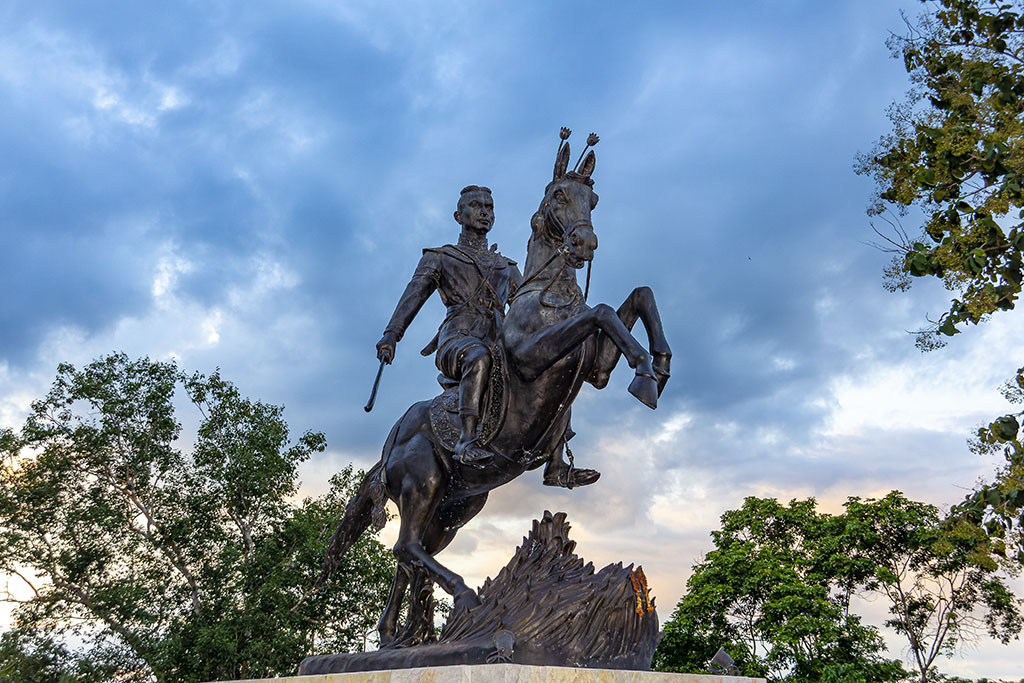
(545, 607)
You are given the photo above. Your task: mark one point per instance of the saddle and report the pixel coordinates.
(444, 408)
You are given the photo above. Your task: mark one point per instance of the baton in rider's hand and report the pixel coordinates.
(386, 353)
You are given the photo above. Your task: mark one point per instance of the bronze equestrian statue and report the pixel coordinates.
(549, 343)
(475, 285)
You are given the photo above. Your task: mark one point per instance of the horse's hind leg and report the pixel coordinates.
(388, 624)
(423, 487)
(640, 305)
(419, 621)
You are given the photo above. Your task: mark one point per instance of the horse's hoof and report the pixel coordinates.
(662, 362)
(645, 388)
(662, 381)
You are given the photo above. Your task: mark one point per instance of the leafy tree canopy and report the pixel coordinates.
(168, 563)
(776, 591)
(956, 153)
(940, 577)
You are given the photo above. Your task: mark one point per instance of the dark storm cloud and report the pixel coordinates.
(334, 140)
(121, 136)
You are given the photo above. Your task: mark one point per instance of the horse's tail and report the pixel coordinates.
(365, 508)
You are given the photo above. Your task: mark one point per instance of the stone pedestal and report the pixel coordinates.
(509, 673)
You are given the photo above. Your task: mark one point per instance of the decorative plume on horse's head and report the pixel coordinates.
(584, 165)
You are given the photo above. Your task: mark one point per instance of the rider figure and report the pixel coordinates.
(475, 284)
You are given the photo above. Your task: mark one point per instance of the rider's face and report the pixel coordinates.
(476, 211)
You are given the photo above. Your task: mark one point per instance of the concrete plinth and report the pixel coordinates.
(509, 673)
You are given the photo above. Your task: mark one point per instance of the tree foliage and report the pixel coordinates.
(940, 577)
(170, 563)
(39, 658)
(776, 591)
(956, 153)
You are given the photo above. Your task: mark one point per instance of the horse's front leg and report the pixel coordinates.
(534, 355)
(639, 305)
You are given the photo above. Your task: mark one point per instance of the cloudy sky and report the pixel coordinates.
(247, 186)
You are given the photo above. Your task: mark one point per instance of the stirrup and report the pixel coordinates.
(571, 477)
(473, 455)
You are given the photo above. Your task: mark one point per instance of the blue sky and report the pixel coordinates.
(247, 186)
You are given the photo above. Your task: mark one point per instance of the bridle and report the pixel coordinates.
(550, 219)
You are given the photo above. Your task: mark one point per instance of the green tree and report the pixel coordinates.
(775, 592)
(777, 588)
(27, 656)
(940, 579)
(168, 563)
(956, 156)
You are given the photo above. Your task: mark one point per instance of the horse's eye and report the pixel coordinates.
(560, 196)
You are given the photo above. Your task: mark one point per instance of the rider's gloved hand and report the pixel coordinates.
(386, 347)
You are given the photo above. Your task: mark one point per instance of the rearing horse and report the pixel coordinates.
(553, 342)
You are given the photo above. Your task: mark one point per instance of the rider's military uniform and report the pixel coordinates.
(475, 285)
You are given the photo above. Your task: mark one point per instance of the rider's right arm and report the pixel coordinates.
(423, 283)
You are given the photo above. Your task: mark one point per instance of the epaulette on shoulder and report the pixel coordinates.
(508, 262)
(449, 250)
(454, 252)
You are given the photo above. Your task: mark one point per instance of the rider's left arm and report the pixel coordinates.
(515, 280)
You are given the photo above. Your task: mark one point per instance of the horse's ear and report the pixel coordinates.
(562, 161)
(588, 164)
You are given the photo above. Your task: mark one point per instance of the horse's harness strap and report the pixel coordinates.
(529, 455)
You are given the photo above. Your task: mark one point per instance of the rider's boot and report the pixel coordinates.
(471, 393)
(560, 473)
(467, 451)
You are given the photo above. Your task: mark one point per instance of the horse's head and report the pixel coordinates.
(563, 219)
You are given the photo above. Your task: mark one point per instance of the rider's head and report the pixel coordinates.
(475, 209)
